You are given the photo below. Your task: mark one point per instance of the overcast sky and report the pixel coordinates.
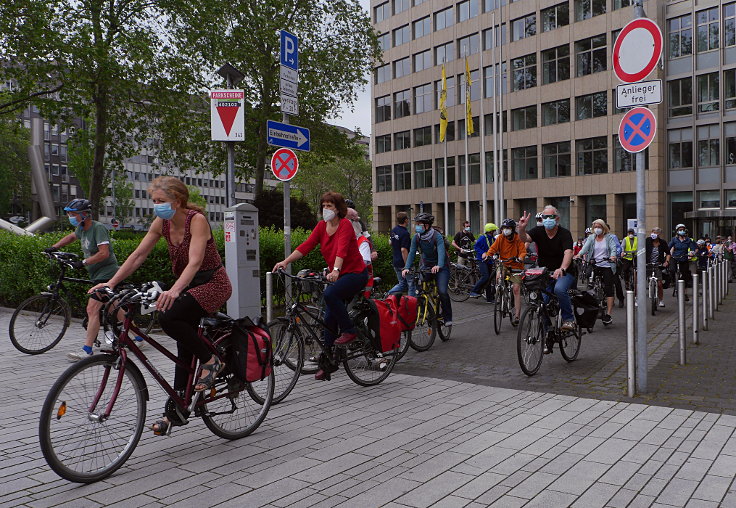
(361, 114)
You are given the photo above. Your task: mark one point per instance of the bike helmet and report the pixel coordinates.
(490, 227)
(350, 203)
(425, 218)
(539, 217)
(588, 231)
(78, 205)
(508, 223)
(681, 226)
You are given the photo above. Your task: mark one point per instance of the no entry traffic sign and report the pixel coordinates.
(637, 50)
(637, 130)
(284, 164)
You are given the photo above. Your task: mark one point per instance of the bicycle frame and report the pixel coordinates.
(428, 290)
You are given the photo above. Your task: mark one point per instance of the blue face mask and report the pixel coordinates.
(549, 223)
(73, 221)
(419, 229)
(164, 211)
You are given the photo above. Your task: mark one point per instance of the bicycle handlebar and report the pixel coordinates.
(65, 258)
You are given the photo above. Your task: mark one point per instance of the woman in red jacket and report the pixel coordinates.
(347, 272)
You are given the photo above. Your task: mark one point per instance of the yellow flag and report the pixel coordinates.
(443, 106)
(468, 110)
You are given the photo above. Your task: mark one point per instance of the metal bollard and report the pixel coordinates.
(630, 341)
(711, 294)
(681, 318)
(696, 317)
(269, 296)
(704, 276)
(717, 269)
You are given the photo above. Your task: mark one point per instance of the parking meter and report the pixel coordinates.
(242, 260)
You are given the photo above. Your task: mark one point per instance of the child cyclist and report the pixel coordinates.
(512, 252)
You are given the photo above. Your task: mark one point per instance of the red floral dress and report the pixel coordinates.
(212, 295)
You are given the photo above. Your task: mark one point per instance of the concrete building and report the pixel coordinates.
(560, 123)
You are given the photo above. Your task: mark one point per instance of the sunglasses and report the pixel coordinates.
(549, 216)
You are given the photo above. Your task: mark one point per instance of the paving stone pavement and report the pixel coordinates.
(418, 440)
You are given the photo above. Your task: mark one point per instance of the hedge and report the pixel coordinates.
(25, 270)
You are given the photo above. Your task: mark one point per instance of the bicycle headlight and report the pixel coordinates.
(533, 295)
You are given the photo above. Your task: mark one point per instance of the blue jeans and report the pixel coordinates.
(336, 295)
(443, 279)
(560, 288)
(484, 281)
(405, 285)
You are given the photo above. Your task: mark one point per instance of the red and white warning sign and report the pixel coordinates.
(284, 164)
(637, 50)
(227, 115)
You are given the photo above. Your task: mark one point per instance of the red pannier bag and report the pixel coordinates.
(384, 326)
(251, 350)
(406, 310)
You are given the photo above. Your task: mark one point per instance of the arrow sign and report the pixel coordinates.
(288, 136)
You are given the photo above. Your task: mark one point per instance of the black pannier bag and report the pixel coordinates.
(586, 308)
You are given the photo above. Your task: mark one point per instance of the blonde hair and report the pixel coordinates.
(174, 189)
(602, 224)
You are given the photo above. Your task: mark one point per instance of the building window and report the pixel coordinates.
(383, 108)
(473, 169)
(402, 140)
(524, 162)
(680, 36)
(556, 64)
(624, 161)
(402, 67)
(439, 165)
(423, 60)
(422, 27)
(590, 55)
(522, 28)
(488, 80)
(444, 18)
(556, 159)
(709, 199)
(450, 101)
(422, 136)
(595, 208)
(681, 97)
(488, 123)
(680, 149)
(400, 6)
(729, 89)
(466, 10)
(423, 174)
(402, 104)
(423, 98)
(729, 144)
(524, 72)
(419, 2)
(591, 105)
(384, 41)
(461, 128)
(490, 42)
(474, 86)
(591, 156)
(556, 112)
(403, 176)
(402, 35)
(586, 9)
(383, 73)
(524, 118)
(731, 198)
(449, 134)
(469, 45)
(381, 12)
(709, 146)
(383, 143)
(555, 17)
(708, 92)
(729, 25)
(444, 53)
(620, 4)
(707, 29)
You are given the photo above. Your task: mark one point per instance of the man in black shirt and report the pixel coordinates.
(400, 242)
(554, 244)
(463, 241)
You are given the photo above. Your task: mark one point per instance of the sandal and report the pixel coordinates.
(207, 381)
(164, 427)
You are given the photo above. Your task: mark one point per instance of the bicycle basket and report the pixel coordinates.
(535, 278)
(309, 283)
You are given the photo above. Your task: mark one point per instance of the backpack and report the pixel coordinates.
(384, 326)
(406, 310)
(251, 351)
(585, 307)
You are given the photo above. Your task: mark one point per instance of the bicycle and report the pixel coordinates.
(40, 321)
(505, 302)
(653, 285)
(93, 416)
(595, 283)
(462, 279)
(534, 331)
(429, 312)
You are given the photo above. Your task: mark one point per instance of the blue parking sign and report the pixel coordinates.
(289, 50)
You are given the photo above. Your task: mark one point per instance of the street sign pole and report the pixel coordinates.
(289, 59)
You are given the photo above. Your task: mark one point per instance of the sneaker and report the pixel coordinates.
(77, 354)
(140, 342)
(661, 304)
(515, 321)
(474, 295)
(448, 323)
(345, 338)
(492, 301)
(607, 319)
(567, 326)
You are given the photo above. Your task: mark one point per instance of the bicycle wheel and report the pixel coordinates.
(404, 345)
(458, 285)
(364, 365)
(238, 413)
(312, 347)
(39, 323)
(77, 443)
(498, 309)
(288, 360)
(425, 331)
(444, 332)
(570, 344)
(530, 341)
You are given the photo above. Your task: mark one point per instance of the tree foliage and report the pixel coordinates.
(15, 168)
(270, 204)
(124, 203)
(196, 198)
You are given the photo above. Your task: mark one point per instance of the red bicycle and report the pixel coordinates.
(95, 412)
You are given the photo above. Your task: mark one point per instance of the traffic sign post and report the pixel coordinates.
(637, 129)
(284, 164)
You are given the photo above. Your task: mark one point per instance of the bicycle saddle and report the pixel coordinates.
(216, 319)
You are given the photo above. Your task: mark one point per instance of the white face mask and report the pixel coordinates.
(507, 232)
(598, 231)
(328, 214)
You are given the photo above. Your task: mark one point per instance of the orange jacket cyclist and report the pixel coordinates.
(508, 246)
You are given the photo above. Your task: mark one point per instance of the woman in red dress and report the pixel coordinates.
(202, 285)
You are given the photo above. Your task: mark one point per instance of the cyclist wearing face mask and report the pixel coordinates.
(485, 264)
(628, 259)
(512, 251)
(680, 248)
(555, 252)
(601, 248)
(463, 243)
(658, 255)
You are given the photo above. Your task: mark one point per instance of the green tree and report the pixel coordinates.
(270, 204)
(15, 168)
(124, 203)
(196, 198)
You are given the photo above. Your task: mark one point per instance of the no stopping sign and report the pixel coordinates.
(284, 164)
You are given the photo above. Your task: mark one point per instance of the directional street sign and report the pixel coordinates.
(289, 50)
(637, 50)
(639, 94)
(284, 164)
(288, 136)
(637, 130)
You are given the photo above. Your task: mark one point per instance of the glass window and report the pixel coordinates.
(383, 178)
(591, 105)
(461, 128)
(444, 18)
(444, 53)
(383, 73)
(556, 64)
(450, 101)
(556, 112)
(488, 120)
(707, 29)
(680, 36)
(422, 136)
(402, 140)
(403, 176)
(402, 67)
(423, 98)
(381, 12)
(524, 72)
(489, 5)
(729, 88)
(449, 135)
(383, 108)
(384, 41)
(402, 104)
(473, 169)
(709, 146)
(488, 81)
(731, 198)
(423, 60)
(402, 35)
(524, 118)
(595, 208)
(466, 10)
(469, 45)
(620, 4)
(474, 86)
(383, 143)
(709, 199)
(439, 165)
(708, 92)
(556, 159)
(729, 153)
(422, 27)
(522, 28)
(590, 55)
(681, 97)
(490, 42)
(586, 9)
(555, 17)
(729, 25)
(524, 162)
(624, 161)
(680, 149)
(423, 174)
(400, 6)
(591, 156)
(419, 2)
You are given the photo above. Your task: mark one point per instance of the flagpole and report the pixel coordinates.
(467, 160)
(447, 213)
(482, 127)
(496, 206)
(502, 207)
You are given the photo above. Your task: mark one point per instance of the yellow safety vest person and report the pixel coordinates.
(630, 247)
